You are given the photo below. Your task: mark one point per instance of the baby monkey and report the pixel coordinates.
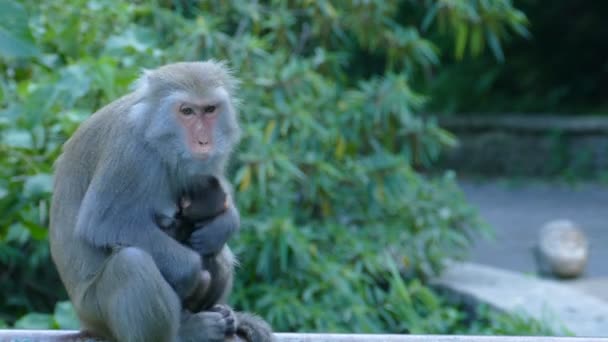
(197, 205)
(201, 203)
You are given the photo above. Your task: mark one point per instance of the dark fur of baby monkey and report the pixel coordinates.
(198, 205)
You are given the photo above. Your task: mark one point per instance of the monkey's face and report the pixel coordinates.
(206, 121)
(186, 110)
(204, 200)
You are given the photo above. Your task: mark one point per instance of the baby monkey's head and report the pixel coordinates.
(204, 201)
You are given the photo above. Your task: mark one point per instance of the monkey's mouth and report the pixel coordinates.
(202, 149)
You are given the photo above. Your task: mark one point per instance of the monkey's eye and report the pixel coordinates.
(209, 109)
(187, 110)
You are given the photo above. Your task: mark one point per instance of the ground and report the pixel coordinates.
(517, 210)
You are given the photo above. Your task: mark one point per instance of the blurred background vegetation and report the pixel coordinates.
(561, 69)
(342, 223)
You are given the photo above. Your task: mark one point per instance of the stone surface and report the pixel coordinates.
(562, 249)
(597, 287)
(532, 122)
(545, 300)
(530, 145)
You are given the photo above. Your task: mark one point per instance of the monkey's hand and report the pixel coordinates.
(210, 236)
(168, 224)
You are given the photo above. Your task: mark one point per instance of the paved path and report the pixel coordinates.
(517, 211)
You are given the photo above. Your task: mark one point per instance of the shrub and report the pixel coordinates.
(340, 227)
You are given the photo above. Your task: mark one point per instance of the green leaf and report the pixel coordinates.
(18, 138)
(38, 185)
(494, 43)
(13, 46)
(18, 233)
(476, 41)
(462, 31)
(65, 316)
(430, 16)
(74, 82)
(35, 321)
(135, 38)
(36, 231)
(15, 37)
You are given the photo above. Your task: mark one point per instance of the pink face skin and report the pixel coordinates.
(198, 120)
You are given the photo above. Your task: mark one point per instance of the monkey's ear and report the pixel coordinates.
(142, 84)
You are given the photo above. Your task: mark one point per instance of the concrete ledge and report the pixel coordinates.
(75, 336)
(532, 123)
(597, 287)
(528, 145)
(545, 300)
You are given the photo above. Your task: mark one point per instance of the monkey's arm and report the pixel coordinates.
(210, 236)
(118, 211)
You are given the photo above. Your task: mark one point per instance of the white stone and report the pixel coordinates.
(563, 249)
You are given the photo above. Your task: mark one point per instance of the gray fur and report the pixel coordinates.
(123, 166)
(253, 328)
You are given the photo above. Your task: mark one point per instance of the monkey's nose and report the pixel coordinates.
(203, 142)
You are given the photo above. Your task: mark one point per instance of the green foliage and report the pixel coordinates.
(63, 317)
(488, 321)
(477, 23)
(339, 229)
(559, 68)
(15, 37)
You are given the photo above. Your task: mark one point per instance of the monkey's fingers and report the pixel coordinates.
(229, 316)
(185, 202)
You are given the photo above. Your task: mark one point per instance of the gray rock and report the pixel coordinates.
(562, 250)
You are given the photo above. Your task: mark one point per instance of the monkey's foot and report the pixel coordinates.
(229, 317)
(206, 326)
(252, 328)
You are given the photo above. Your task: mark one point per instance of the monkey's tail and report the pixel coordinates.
(253, 328)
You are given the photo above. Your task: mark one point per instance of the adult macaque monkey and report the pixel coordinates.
(128, 163)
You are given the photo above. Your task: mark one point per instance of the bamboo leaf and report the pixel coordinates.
(462, 31)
